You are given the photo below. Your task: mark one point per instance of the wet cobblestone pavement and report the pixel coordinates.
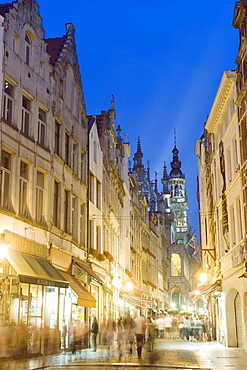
(167, 354)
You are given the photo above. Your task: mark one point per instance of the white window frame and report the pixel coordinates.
(8, 103)
(26, 116)
(42, 127)
(28, 49)
(5, 182)
(23, 196)
(40, 190)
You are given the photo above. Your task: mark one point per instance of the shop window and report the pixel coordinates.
(23, 196)
(42, 127)
(26, 113)
(175, 265)
(8, 102)
(5, 180)
(40, 196)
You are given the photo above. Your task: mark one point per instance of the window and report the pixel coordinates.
(82, 223)
(41, 127)
(98, 238)
(61, 89)
(95, 151)
(8, 102)
(91, 190)
(75, 158)
(56, 204)
(67, 152)
(40, 196)
(75, 217)
(98, 194)
(27, 49)
(5, 179)
(66, 211)
(83, 167)
(175, 265)
(25, 121)
(23, 196)
(57, 137)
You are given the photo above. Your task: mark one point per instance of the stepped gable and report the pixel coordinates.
(4, 8)
(63, 51)
(54, 48)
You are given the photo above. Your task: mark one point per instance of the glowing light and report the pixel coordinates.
(116, 283)
(3, 247)
(203, 277)
(129, 286)
(202, 311)
(173, 305)
(184, 307)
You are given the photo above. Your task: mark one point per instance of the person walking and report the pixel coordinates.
(168, 326)
(64, 331)
(150, 333)
(94, 333)
(140, 327)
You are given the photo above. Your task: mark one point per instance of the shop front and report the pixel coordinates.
(33, 296)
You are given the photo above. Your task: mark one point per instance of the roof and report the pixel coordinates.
(54, 46)
(4, 8)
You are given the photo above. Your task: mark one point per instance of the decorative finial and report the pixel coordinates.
(112, 106)
(175, 138)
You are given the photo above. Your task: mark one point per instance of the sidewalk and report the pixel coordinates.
(168, 354)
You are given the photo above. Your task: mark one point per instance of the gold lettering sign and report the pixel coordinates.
(25, 245)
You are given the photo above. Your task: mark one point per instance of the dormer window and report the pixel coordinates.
(27, 49)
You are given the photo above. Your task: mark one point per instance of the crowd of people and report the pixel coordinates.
(140, 330)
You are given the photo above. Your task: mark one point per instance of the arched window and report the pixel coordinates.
(27, 49)
(175, 265)
(176, 191)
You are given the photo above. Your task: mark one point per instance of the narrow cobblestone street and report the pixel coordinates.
(168, 354)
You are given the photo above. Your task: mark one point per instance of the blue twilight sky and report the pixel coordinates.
(163, 61)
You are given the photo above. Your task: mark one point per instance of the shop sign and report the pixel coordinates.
(25, 245)
(237, 256)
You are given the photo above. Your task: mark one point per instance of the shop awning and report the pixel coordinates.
(34, 270)
(135, 301)
(206, 289)
(85, 299)
(89, 271)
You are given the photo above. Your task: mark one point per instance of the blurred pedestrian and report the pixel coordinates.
(187, 327)
(140, 327)
(120, 337)
(64, 332)
(110, 334)
(168, 326)
(129, 332)
(71, 333)
(94, 333)
(160, 324)
(150, 333)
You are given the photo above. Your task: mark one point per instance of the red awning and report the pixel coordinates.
(89, 271)
(205, 289)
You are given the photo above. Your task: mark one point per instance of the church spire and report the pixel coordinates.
(176, 164)
(138, 166)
